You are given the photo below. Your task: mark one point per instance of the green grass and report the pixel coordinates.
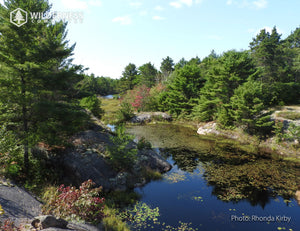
(110, 107)
(291, 115)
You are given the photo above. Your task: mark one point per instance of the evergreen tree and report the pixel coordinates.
(167, 67)
(129, 78)
(223, 76)
(267, 52)
(37, 78)
(183, 90)
(182, 62)
(147, 75)
(246, 108)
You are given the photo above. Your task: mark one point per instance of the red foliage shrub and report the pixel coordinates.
(81, 204)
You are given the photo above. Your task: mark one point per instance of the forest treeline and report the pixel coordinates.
(234, 88)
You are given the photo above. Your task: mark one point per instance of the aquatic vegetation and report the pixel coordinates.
(175, 177)
(252, 180)
(141, 215)
(197, 198)
(232, 172)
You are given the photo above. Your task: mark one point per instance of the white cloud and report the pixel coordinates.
(81, 4)
(229, 2)
(123, 20)
(187, 2)
(156, 17)
(176, 4)
(258, 4)
(159, 8)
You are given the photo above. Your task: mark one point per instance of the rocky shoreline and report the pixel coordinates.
(269, 145)
(83, 161)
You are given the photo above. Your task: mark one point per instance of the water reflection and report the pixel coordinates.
(241, 175)
(211, 180)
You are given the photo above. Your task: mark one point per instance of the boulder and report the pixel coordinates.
(149, 116)
(48, 221)
(87, 161)
(51, 223)
(149, 158)
(208, 128)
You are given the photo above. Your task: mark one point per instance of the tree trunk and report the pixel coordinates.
(25, 125)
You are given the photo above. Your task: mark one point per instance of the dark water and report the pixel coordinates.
(218, 185)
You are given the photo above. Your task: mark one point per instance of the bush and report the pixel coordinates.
(143, 144)
(125, 113)
(122, 155)
(10, 153)
(76, 204)
(93, 104)
(293, 133)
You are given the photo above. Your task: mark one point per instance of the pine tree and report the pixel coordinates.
(183, 90)
(37, 78)
(267, 52)
(147, 75)
(166, 67)
(223, 76)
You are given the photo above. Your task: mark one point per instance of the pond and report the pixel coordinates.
(216, 185)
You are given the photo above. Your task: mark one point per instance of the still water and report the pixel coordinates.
(218, 185)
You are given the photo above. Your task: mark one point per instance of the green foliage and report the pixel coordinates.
(92, 103)
(129, 78)
(166, 67)
(36, 71)
(112, 222)
(181, 63)
(140, 215)
(125, 113)
(143, 144)
(267, 52)
(121, 153)
(147, 75)
(293, 132)
(246, 107)
(83, 204)
(223, 76)
(91, 85)
(237, 182)
(10, 153)
(278, 130)
(182, 91)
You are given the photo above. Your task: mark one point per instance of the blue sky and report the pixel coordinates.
(116, 32)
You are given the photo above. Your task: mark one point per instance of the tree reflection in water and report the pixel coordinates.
(237, 174)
